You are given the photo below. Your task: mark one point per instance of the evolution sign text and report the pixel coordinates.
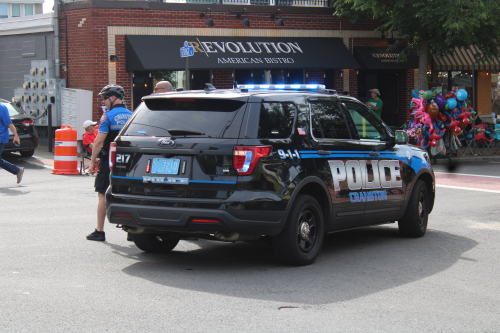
(249, 52)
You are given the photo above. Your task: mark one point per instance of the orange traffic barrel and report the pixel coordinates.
(65, 152)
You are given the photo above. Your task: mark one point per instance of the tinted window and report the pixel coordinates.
(13, 109)
(276, 120)
(181, 117)
(328, 122)
(369, 127)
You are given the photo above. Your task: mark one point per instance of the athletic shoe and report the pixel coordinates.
(97, 236)
(19, 175)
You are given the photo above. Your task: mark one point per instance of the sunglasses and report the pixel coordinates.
(156, 89)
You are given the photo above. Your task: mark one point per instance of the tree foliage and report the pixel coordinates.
(433, 26)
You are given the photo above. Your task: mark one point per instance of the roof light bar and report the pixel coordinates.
(282, 86)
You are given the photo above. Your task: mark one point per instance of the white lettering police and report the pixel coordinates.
(356, 173)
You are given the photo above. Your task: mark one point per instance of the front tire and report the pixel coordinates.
(302, 238)
(155, 243)
(414, 221)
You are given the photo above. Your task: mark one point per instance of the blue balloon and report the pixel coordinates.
(414, 94)
(452, 103)
(461, 95)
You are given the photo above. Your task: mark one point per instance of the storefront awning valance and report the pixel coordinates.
(463, 59)
(380, 58)
(146, 53)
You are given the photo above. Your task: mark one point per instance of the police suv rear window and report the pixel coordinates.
(185, 117)
(276, 120)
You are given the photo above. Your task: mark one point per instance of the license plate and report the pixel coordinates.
(166, 166)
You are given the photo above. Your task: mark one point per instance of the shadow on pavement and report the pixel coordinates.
(26, 162)
(352, 264)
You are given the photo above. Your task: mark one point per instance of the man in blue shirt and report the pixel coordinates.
(111, 124)
(5, 124)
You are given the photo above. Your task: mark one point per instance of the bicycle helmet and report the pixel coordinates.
(112, 90)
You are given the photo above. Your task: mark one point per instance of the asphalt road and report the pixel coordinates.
(366, 280)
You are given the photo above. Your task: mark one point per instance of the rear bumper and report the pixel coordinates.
(180, 219)
(27, 143)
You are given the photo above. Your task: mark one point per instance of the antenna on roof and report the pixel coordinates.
(209, 87)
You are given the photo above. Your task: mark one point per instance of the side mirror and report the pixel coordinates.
(401, 137)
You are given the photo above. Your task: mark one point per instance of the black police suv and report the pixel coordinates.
(241, 164)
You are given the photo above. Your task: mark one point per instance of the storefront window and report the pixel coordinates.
(28, 9)
(439, 81)
(463, 80)
(266, 76)
(495, 93)
(4, 10)
(16, 10)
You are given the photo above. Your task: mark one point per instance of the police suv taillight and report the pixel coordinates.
(112, 155)
(245, 158)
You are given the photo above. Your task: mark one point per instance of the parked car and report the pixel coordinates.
(240, 164)
(25, 129)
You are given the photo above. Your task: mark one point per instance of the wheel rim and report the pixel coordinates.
(307, 231)
(422, 201)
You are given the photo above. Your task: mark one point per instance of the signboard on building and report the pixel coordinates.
(209, 52)
(380, 58)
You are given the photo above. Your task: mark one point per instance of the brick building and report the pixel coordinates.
(136, 43)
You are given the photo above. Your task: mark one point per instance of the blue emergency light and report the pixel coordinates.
(282, 86)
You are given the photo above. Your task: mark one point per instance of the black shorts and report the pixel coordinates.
(102, 178)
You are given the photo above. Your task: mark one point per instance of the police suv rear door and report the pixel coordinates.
(338, 157)
(384, 190)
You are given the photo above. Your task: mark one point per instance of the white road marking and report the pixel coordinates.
(463, 174)
(468, 188)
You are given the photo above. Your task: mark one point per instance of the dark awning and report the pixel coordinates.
(379, 58)
(163, 53)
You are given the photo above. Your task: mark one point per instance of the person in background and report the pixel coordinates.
(375, 103)
(162, 86)
(111, 124)
(89, 135)
(5, 124)
(346, 93)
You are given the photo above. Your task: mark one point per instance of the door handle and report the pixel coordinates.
(324, 152)
(373, 153)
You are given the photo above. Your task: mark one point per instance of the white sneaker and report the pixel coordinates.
(19, 175)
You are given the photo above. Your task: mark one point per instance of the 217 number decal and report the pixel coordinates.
(122, 158)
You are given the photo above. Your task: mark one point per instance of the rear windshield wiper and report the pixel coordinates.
(183, 132)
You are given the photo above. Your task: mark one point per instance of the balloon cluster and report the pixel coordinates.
(432, 114)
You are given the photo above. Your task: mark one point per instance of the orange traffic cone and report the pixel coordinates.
(65, 153)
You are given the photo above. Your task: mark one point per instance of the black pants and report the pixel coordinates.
(102, 178)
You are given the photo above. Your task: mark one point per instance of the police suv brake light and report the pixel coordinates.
(245, 158)
(112, 155)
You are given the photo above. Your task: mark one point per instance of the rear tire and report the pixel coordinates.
(27, 153)
(155, 243)
(302, 238)
(414, 221)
